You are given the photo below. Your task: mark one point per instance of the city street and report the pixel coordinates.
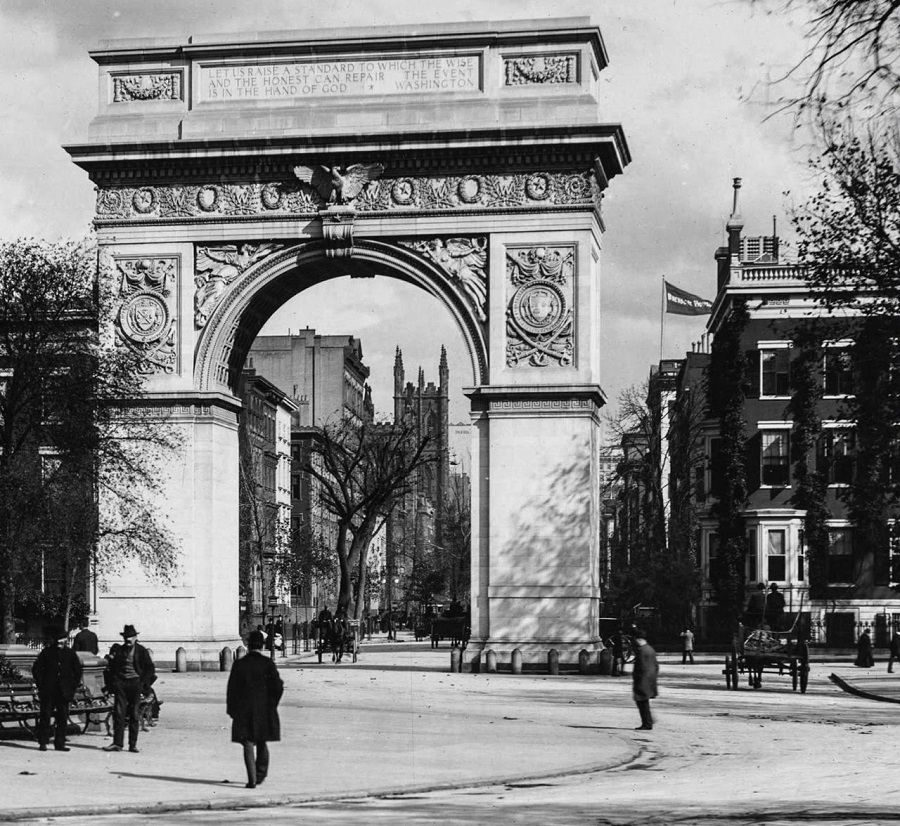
(393, 739)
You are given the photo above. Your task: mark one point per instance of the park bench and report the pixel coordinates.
(20, 704)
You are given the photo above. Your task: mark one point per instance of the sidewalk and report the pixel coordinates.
(394, 721)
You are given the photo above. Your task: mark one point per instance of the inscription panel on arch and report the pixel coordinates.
(338, 78)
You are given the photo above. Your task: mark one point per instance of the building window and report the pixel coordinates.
(838, 444)
(775, 372)
(712, 555)
(894, 551)
(775, 470)
(838, 372)
(801, 558)
(840, 555)
(776, 558)
(752, 571)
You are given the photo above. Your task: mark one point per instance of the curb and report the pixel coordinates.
(233, 803)
(852, 689)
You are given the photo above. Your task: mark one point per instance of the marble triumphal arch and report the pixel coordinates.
(231, 174)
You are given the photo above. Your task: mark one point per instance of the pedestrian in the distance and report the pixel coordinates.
(864, 658)
(57, 673)
(687, 645)
(86, 640)
(254, 689)
(643, 678)
(130, 674)
(895, 651)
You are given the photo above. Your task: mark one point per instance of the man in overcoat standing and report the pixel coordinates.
(254, 690)
(130, 674)
(644, 675)
(57, 673)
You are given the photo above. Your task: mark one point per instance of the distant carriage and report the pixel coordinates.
(768, 652)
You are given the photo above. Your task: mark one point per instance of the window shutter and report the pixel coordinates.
(751, 379)
(753, 453)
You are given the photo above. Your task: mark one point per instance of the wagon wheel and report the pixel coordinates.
(319, 649)
(727, 672)
(734, 673)
(627, 650)
(794, 673)
(804, 677)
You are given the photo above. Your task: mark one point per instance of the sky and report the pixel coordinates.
(689, 80)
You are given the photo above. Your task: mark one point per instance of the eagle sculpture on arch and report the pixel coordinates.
(338, 187)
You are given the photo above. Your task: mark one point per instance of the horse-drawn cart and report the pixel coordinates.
(769, 652)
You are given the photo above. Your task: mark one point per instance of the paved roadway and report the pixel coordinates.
(393, 740)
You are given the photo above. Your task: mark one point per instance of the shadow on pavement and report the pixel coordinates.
(172, 779)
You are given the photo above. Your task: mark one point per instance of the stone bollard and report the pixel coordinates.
(553, 661)
(180, 660)
(490, 661)
(455, 659)
(239, 652)
(606, 662)
(515, 662)
(584, 661)
(475, 664)
(225, 659)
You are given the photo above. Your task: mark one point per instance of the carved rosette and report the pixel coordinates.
(541, 69)
(216, 267)
(150, 86)
(465, 262)
(144, 320)
(540, 312)
(538, 190)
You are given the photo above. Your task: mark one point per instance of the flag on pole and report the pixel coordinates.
(681, 302)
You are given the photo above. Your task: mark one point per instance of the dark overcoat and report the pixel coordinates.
(254, 689)
(86, 640)
(644, 674)
(54, 668)
(143, 665)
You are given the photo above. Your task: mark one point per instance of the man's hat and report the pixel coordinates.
(129, 631)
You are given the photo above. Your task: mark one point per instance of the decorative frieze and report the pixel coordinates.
(145, 319)
(538, 190)
(542, 69)
(149, 86)
(540, 313)
(465, 261)
(216, 267)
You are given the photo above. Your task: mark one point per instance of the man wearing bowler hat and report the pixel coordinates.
(130, 673)
(57, 673)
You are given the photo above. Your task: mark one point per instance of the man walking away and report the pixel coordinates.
(895, 651)
(644, 675)
(254, 689)
(57, 673)
(86, 640)
(687, 646)
(131, 673)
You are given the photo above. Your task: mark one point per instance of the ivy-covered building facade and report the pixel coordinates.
(797, 485)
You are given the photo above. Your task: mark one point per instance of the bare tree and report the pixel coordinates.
(364, 471)
(80, 457)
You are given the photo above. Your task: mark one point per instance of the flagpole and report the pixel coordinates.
(662, 316)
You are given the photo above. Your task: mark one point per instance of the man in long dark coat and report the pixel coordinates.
(57, 673)
(254, 689)
(130, 673)
(644, 678)
(86, 640)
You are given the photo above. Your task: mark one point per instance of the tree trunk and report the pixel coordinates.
(345, 589)
(8, 629)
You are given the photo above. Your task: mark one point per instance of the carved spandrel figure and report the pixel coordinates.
(464, 258)
(216, 268)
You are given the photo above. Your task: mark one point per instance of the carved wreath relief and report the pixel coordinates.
(464, 260)
(546, 69)
(155, 86)
(216, 267)
(539, 315)
(144, 322)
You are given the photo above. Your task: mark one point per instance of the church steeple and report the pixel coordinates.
(443, 372)
(398, 385)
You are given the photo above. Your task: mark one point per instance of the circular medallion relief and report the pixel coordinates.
(208, 198)
(144, 317)
(143, 200)
(538, 306)
(577, 188)
(110, 200)
(271, 196)
(403, 192)
(469, 189)
(537, 187)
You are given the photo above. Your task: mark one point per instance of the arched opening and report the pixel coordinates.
(413, 560)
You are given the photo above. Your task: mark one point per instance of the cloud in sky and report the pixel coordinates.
(687, 80)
